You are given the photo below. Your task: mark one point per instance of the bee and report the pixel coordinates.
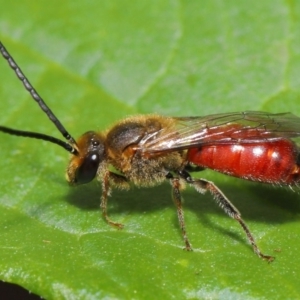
(147, 150)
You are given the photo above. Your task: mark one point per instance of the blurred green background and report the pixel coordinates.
(95, 62)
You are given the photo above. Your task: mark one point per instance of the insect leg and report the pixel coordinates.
(202, 185)
(106, 190)
(175, 182)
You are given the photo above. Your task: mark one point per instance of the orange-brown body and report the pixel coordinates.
(121, 146)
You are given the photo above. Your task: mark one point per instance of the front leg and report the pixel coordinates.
(118, 181)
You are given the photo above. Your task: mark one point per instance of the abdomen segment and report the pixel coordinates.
(271, 162)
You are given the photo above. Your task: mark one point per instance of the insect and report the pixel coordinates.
(147, 150)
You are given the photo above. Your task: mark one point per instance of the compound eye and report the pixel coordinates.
(88, 169)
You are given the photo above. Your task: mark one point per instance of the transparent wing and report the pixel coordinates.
(228, 128)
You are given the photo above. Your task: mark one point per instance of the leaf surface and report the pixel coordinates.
(95, 62)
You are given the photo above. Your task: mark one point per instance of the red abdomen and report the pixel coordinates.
(271, 162)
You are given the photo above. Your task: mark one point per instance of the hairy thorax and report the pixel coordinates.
(125, 142)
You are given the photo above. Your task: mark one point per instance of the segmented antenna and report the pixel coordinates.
(71, 145)
(39, 136)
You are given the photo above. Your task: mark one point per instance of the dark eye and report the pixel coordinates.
(88, 169)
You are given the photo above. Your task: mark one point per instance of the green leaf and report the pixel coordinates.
(95, 62)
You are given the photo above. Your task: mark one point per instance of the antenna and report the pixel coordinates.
(71, 145)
